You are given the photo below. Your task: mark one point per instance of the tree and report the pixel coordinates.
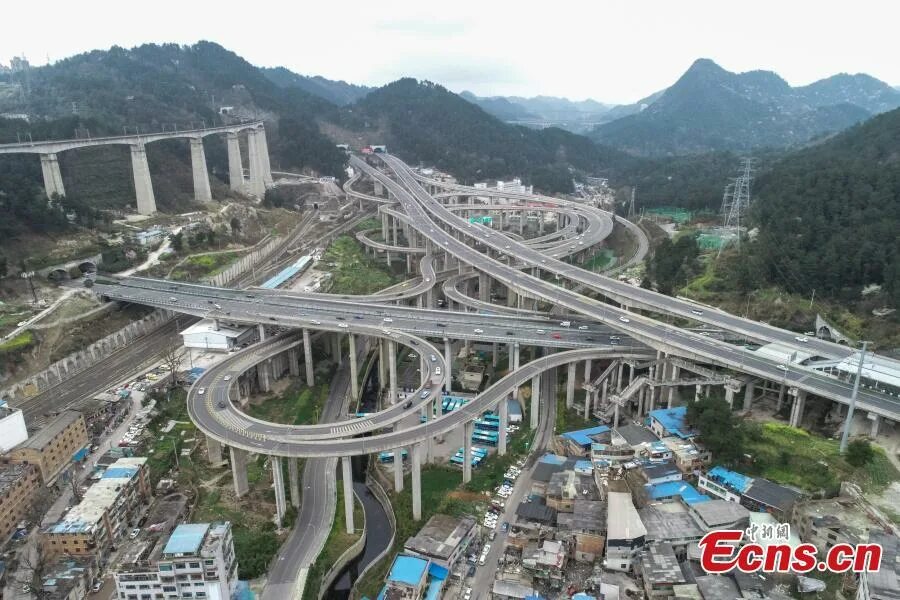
(171, 358)
(176, 240)
(235, 226)
(859, 452)
(720, 431)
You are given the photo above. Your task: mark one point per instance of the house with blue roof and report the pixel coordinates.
(578, 443)
(755, 493)
(676, 490)
(671, 421)
(413, 578)
(661, 472)
(724, 484)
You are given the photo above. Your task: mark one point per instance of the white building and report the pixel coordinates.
(12, 427)
(515, 187)
(208, 334)
(197, 561)
(626, 534)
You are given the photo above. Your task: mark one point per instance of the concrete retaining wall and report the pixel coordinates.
(256, 253)
(349, 554)
(376, 489)
(88, 356)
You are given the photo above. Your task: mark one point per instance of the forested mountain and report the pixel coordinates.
(500, 107)
(577, 117)
(422, 121)
(829, 216)
(710, 108)
(339, 93)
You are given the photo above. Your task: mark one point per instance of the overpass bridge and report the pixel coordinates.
(260, 171)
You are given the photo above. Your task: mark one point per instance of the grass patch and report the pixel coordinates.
(796, 457)
(337, 543)
(205, 265)
(352, 272)
(566, 418)
(298, 405)
(490, 473)
(17, 344)
(600, 260)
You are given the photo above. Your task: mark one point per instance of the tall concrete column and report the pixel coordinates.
(202, 192)
(468, 430)
(347, 477)
(398, 469)
(53, 183)
(379, 188)
(239, 471)
(384, 228)
(263, 370)
(729, 395)
(235, 163)
(484, 287)
(143, 187)
(570, 385)
(263, 146)
(293, 358)
(503, 413)
(495, 355)
(675, 374)
(587, 371)
(308, 359)
(605, 390)
(416, 456)
(256, 185)
(280, 500)
(448, 360)
(535, 400)
(876, 422)
(294, 481)
(354, 376)
(781, 391)
(748, 394)
(616, 415)
(587, 404)
(392, 371)
(698, 391)
(630, 373)
(619, 385)
(797, 408)
(214, 451)
(382, 364)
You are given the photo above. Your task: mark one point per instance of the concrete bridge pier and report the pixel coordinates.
(876, 422)
(416, 459)
(674, 375)
(293, 358)
(260, 174)
(382, 365)
(484, 287)
(797, 408)
(748, 394)
(294, 481)
(263, 373)
(468, 430)
(53, 183)
(143, 187)
(280, 499)
(239, 471)
(379, 188)
(398, 468)
(235, 163)
(392, 371)
(347, 477)
(202, 192)
(214, 451)
(448, 360)
(503, 412)
(619, 382)
(587, 371)
(354, 375)
(308, 359)
(535, 400)
(570, 384)
(616, 415)
(495, 354)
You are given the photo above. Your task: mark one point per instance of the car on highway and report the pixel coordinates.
(173, 299)
(222, 404)
(556, 336)
(343, 325)
(437, 370)
(217, 306)
(359, 317)
(272, 319)
(97, 585)
(314, 322)
(408, 404)
(479, 331)
(802, 339)
(424, 394)
(510, 333)
(441, 324)
(201, 391)
(625, 319)
(226, 378)
(432, 357)
(781, 368)
(388, 320)
(541, 331)
(565, 323)
(696, 311)
(583, 327)
(134, 533)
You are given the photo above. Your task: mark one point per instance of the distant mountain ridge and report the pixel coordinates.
(710, 108)
(340, 93)
(575, 116)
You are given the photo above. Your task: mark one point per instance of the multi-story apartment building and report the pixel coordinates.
(12, 427)
(107, 510)
(196, 561)
(19, 483)
(55, 446)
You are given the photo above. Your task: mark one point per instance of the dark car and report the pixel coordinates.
(341, 319)
(471, 572)
(360, 317)
(222, 404)
(441, 324)
(510, 333)
(414, 342)
(408, 404)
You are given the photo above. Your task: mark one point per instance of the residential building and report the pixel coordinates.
(407, 579)
(633, 435)
(578, 443)
(68, 578)
(675, 490)
(209, 334)
(671, 524)
(107, 510)
(625, 535)
(756, 493)
(565, 487)
(665, 422)
(546, 562)
(719, 514)
(196, 561)
(19, 484)
(54, 447)
(443, 540)
(723, 483)
(883, 584)
(689, 456)
(841, 520)
(660, 572)
(585, 527)
(12, 427)
(511, 590)
(656, 473)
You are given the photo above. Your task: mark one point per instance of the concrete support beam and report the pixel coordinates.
(257, 183)
(484, 287)
(619, 381)
(587, 404)
(214, 451)
(53, 183)
(294, 481)
(503, 413)
(263, 146)
(448, 360)
(605, 390)
(797, 408)
(202, 192)
(876, 422)
(308, 359)
(382, 364)
(615, 416)
(143, 187)
(416, 456)
(293, 358)
(495, 347)
(280, 498)
(748, 394)
(392, 371)
(398, 469)
(354, 375)
(587, 371)
(729, 395)
(263, 371)
(468, 430)
(535, 400)
(235, 164)
(239, 471)
(347, 477)
(570, 385)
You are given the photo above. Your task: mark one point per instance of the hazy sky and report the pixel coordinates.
(612, 51)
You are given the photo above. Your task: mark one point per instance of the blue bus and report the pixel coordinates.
(486, 437)
(388, 457)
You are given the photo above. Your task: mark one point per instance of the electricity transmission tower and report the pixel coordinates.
(736, 200)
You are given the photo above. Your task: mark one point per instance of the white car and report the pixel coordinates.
(541, 331)
(226, 378)
(583, 327)
(781, 368)
(314, 322)
(134, 533)
(802, 339)
(388, 320)
(479, 331)
(201, 391)
(625, 319)
(696, 312)
(343, 325)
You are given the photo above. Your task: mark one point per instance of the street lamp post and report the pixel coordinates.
(846, 434)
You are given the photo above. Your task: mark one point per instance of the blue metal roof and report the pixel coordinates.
(434, 589)
(582, 436)
(669, 489)
(286, 273)
(120, 472)
(672, 420)
(553, 459)
(731, 479)
(408, 569)
(186, 539)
